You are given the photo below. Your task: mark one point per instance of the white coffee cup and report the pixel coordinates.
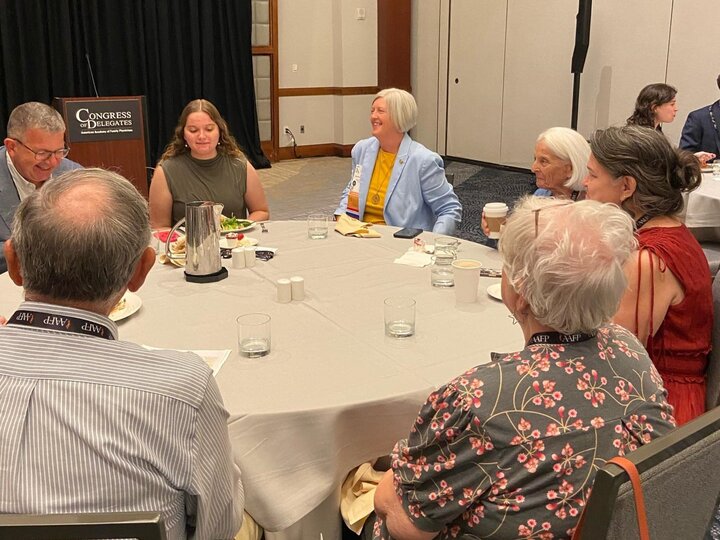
(467, 278)
(495, 216)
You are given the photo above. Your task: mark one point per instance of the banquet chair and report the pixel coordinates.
(680, 483)
(135, 525)
(712, 254)
(712, 374)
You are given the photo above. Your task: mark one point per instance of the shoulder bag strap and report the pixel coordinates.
(629, 467)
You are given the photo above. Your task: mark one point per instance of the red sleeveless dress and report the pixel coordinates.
(679, 349)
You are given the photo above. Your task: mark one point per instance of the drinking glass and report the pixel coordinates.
(447, 245)
(441, 272)
(716, 170)
(317, 226)
(399, 317)
(253, 334)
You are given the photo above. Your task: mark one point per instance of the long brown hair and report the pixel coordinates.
(226, 145)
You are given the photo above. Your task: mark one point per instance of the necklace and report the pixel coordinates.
(376, 197)
(388, 173)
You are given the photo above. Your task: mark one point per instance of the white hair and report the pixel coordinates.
(569, 145)
(571, 273)
(401, 106)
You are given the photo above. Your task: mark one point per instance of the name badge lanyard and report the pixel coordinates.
(61, 323)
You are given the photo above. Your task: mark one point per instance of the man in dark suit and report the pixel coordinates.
(701, 132)
(34, 150)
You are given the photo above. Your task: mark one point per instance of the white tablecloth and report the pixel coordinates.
(702, 209)
(334, 391)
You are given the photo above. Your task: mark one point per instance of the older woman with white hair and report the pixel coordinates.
(395, 180)
(560, 162)
(510, 448)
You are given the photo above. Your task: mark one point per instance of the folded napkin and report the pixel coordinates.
(163, 236)
(356, 496)
(348, 226)
(414, 258)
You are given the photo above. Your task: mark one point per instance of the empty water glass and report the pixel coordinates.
(318, 226)
(253, 335)
(399, 317)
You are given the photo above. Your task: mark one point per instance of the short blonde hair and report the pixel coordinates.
(566, 259)
(402, 108)
(569, 145)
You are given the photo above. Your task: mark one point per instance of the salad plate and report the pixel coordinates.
(233, 224)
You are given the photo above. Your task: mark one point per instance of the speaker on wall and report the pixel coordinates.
(582, 36)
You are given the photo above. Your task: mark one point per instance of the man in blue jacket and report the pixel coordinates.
(34, 150)
(701, 132)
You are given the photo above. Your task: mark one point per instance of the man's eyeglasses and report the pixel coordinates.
(538, 210)
(43, 155)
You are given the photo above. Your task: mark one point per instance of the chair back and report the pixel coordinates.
(680, 480)
(712, 375)
(134, 525)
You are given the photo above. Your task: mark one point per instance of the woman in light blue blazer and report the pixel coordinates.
(395, 180)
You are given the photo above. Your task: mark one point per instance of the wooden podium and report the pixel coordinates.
(108, 132)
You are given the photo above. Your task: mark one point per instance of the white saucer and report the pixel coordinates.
(132, 304)
(495, 291)
(246, 241)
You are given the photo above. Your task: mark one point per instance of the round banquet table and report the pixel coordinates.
(334, 391)
(702, 209)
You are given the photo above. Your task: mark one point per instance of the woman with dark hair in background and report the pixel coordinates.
(668, 304)
(654, 106)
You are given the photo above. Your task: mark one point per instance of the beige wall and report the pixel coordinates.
(331, 48)
(632, 44)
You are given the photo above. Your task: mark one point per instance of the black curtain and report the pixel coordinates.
(171, 51)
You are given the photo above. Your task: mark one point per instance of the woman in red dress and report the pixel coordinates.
(668, 304)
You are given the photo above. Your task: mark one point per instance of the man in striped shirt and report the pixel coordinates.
(90, 423)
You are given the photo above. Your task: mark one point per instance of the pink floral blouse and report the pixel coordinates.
(509, 449)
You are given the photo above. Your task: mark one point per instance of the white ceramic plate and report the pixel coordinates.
(132, 304)
(495, 291)
(241, 229)
(246, 241)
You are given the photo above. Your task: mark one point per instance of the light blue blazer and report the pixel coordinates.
(418, 194)
(10, 200)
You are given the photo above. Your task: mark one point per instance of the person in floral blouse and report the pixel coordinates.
(509, 449)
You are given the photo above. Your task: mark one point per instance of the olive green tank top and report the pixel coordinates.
(222, 179)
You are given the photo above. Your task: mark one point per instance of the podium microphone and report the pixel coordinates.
(92, 77)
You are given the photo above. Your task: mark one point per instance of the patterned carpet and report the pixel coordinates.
(489, 185)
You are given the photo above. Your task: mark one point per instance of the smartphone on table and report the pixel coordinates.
(407, 232)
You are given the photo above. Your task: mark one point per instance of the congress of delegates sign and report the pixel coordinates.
(103, 120)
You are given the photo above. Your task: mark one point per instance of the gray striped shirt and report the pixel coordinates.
(95, 425)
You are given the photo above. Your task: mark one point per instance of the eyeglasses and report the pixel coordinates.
(43, 155)
(538, 210)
